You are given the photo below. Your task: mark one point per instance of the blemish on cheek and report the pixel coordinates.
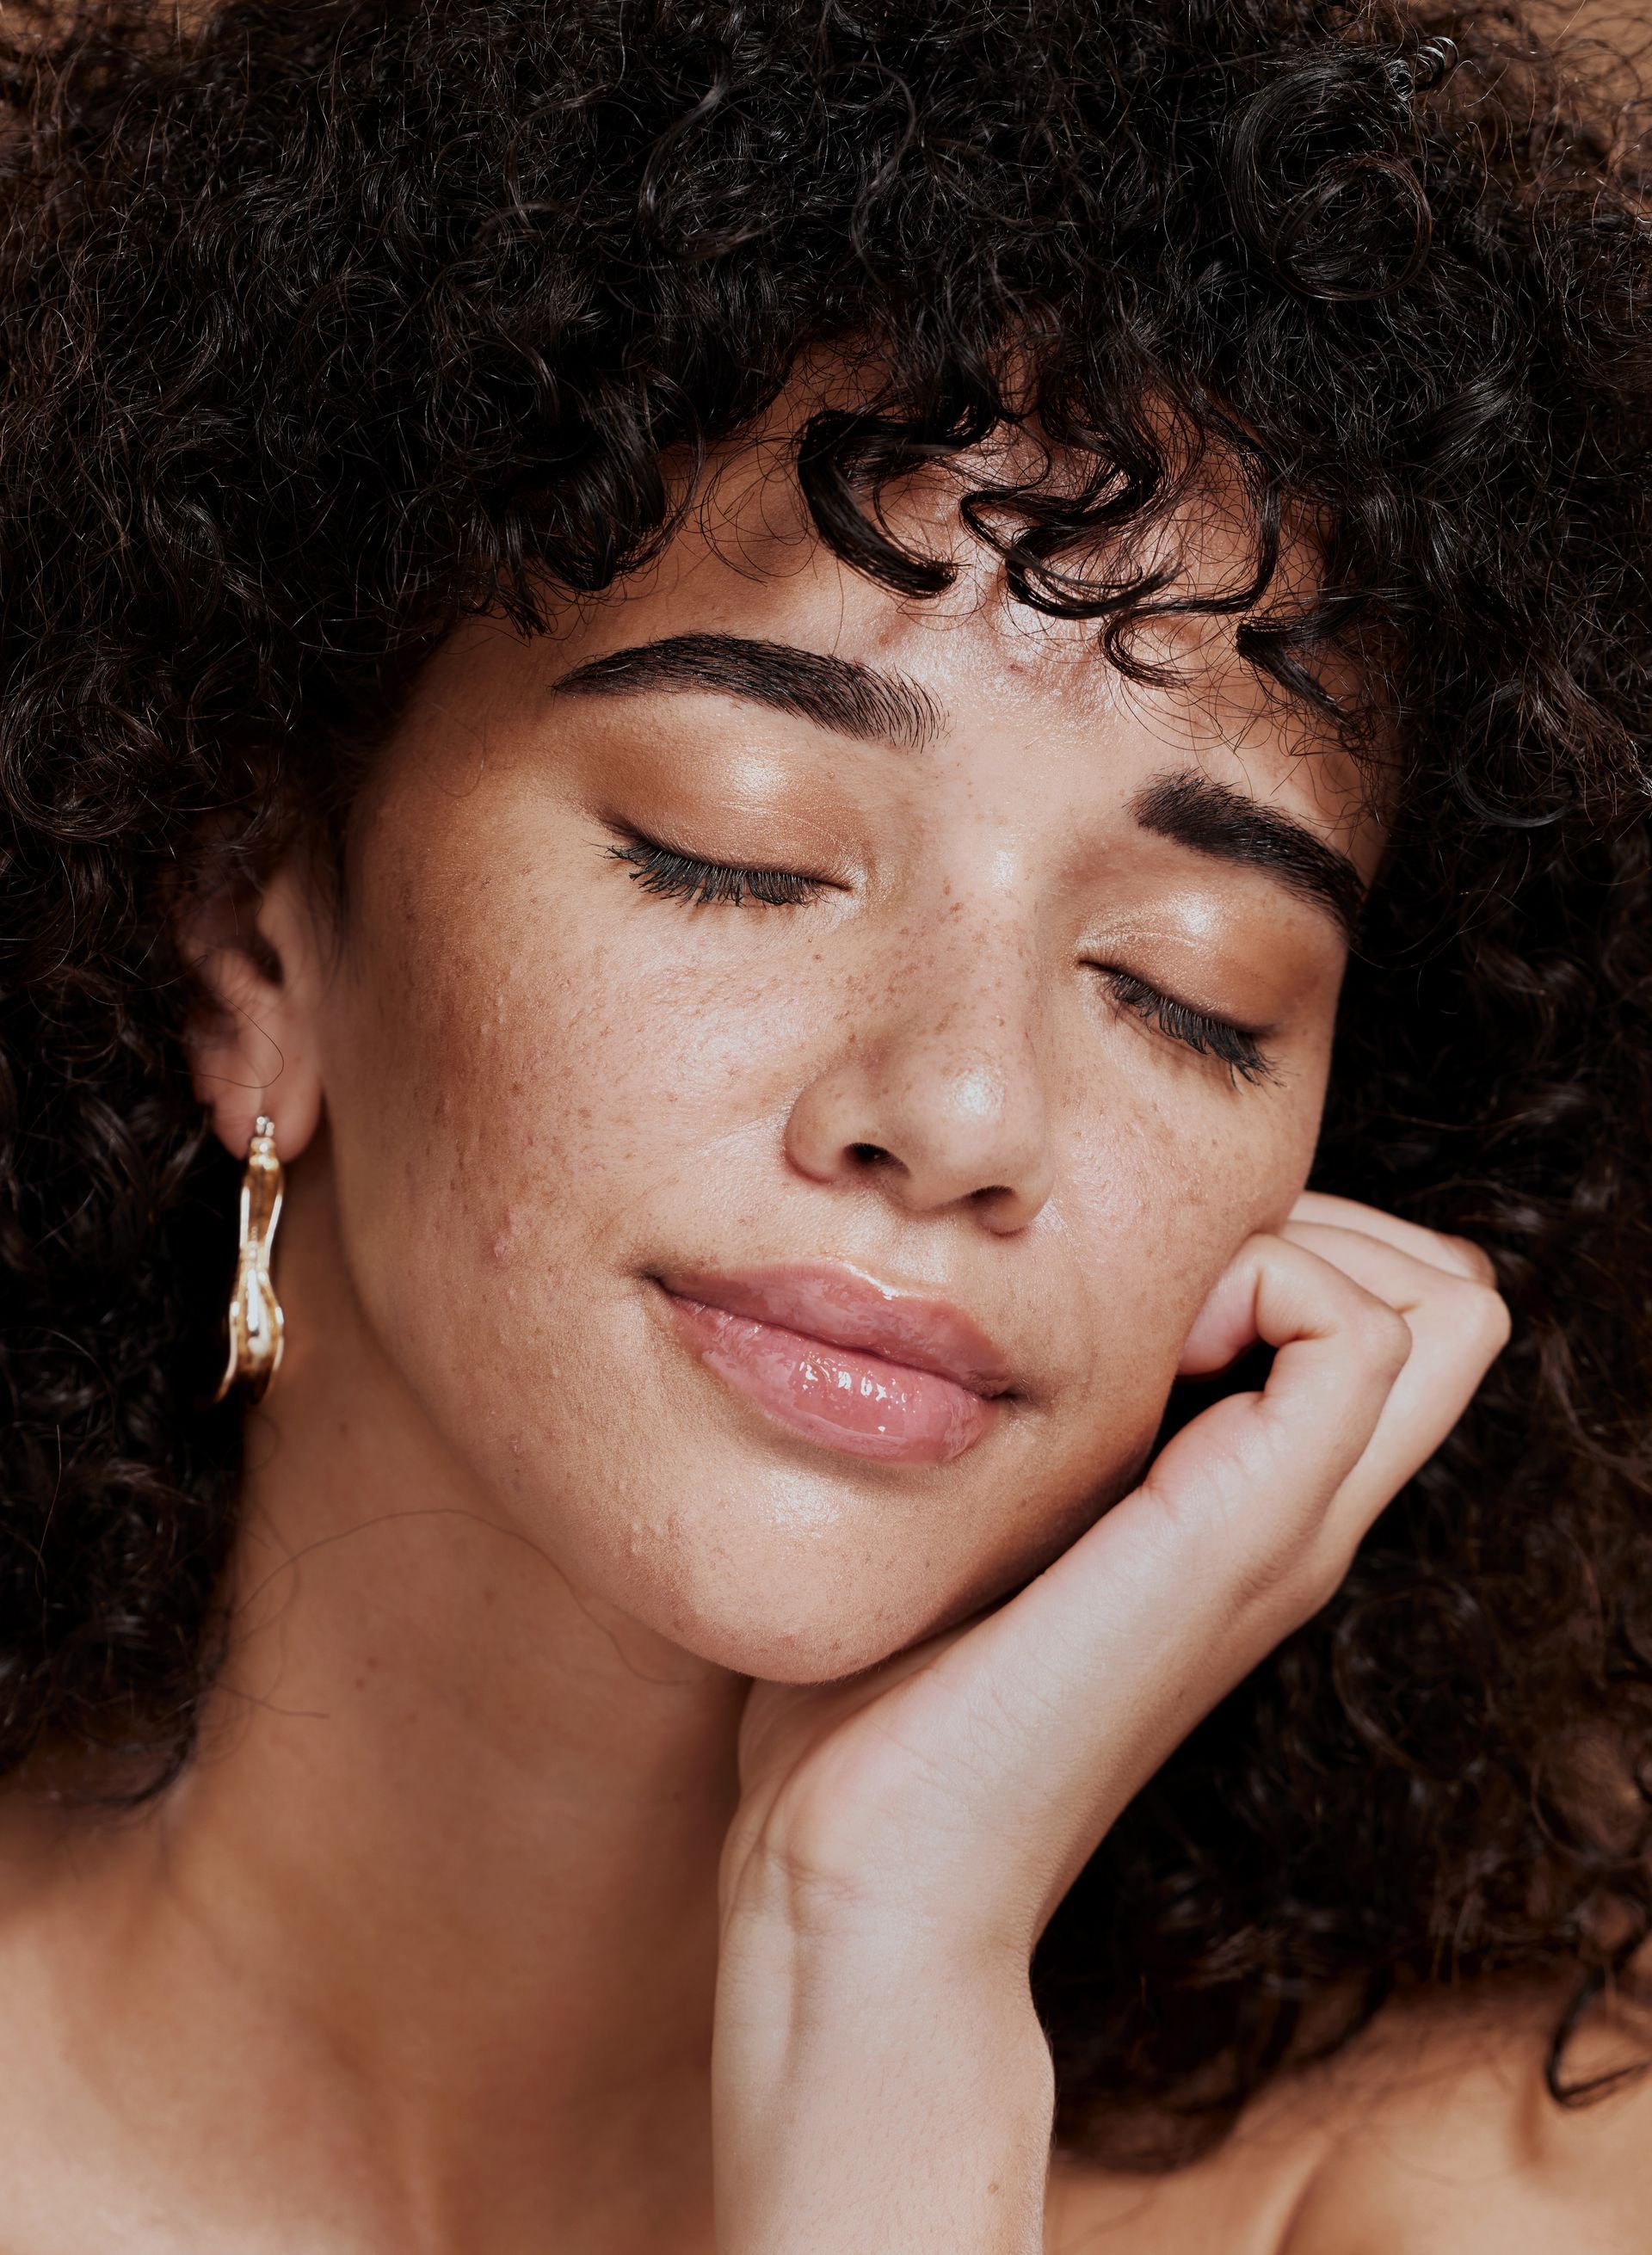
(503, 1245)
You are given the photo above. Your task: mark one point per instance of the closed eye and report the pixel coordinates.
(672, 875)
(1237, 1047)
(675, 876)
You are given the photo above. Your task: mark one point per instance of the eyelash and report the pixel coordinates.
(662, 870)
(1195, 1029)
(685, 877)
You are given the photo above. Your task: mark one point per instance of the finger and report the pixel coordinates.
(1459, 1326)
(1343, 1332)
(1386, 1266)
(1147, 1619)
(1135, 1632)
(1219, 1335)
(1048, 1714)
(1043, 1719)
(1227, 1323)
(1433, 1246)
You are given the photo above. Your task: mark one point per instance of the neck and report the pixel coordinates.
(448, 1855)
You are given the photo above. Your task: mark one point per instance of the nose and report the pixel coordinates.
(937, 1099)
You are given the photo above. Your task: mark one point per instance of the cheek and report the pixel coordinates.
(1162, 1192)
(518, 1080)
(555, 1104)
(528, 1097)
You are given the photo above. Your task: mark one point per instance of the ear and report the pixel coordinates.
(254, 1047)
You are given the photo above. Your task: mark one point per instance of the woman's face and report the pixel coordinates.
(802, 1264)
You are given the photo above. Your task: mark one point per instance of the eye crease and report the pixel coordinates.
(671, 875)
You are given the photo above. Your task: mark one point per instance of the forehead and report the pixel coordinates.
(999, 676)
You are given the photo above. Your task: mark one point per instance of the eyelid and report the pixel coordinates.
(672, 873)
(628, 833)
(1205, 1033)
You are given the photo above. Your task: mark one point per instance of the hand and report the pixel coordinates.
(903, 1835)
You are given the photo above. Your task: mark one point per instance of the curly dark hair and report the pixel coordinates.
(325, 325)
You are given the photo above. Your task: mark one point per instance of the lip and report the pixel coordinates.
(849, 1362)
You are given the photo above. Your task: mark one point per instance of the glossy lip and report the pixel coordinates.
(843, 1360)
(844, 1308)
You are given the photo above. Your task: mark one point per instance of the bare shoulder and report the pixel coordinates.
(1451, 2140)
(1433, 2135)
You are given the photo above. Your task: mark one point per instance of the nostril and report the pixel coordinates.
(870, 1155)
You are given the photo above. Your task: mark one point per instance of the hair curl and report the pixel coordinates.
(322, 325)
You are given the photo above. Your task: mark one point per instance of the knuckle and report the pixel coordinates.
(1385, 1338)
(1287, 1583)
(1479, 1319)
(1494, 1320)
(1263, 1581)
(1280, 1569)
(814, 1870)
(1475, 1258)
(1326, 1571)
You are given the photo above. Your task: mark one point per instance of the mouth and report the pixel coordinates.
(844, 1360)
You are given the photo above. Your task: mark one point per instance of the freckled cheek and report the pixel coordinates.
(543, 1078)
(1162, 1198)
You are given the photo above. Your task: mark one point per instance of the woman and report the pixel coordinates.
(716, 704)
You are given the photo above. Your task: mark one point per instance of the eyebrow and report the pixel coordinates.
(1197, 812)
(857, 700)
(835, 693)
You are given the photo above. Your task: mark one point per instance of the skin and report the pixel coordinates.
(499, 1910)
(1432, 2134)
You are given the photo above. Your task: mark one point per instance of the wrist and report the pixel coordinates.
(890, 2093)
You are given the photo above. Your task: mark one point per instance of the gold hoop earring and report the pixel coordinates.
(257, 1326)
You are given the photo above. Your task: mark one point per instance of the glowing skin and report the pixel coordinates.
(919, 1074)
(603, 1180)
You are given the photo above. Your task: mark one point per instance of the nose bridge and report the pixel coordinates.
(963, 1034)
(939, 1090)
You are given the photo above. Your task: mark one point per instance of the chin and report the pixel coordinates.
(840, 1600)
(817, 1647)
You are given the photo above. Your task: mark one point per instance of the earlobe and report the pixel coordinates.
(252, 1043)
